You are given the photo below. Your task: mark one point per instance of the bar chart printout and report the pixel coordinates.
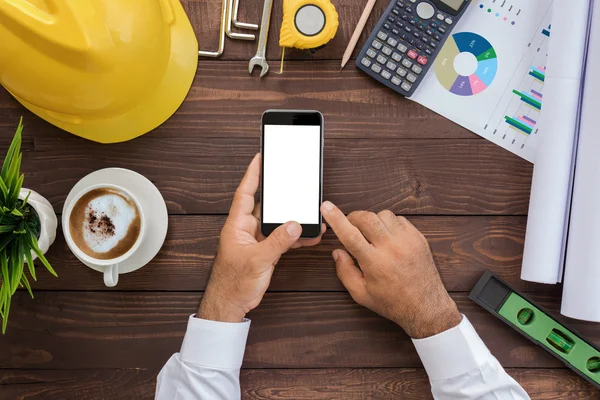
(507, 111)
(524, 123)
(532, 99)
(521, 123)
(538, 73)
(546, 31)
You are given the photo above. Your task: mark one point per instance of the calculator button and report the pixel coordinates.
(407, 63)
(437, 37)
(376, 68)
(442, 30)
(400, 4)
(365, 61)
(382, 35)
(396, 81)
(432, 44)
(411, 78)
(440, 17)
(422, 60)
(381, 59)
(422, 27)
(417, 34)
(420, 45)
(396, 11)
(402, 48)
(412, 54)
(408, 9)
(408, 29)
(371, 53)
(392, 66)
(425, 10)
(396, 57)
(385, 74)
(392, 42)
(387, 26)
(425, 40)
(413, 22)
(412, 41)
(391, 18)
(429, 32)
(376, 44)
(405, 17)
(401, 71)
(400, 24)
(416, 69)
(395, 31)
(406, 87)
(386, 50)
(413, 1)
(428, 51)
(448, 21)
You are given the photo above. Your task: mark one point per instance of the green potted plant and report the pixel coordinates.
(27, 228)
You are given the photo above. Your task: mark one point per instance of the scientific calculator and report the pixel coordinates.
(407, 39)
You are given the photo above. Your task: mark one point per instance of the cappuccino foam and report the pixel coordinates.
(105, 223)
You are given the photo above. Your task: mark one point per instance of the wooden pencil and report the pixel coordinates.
(357, 31)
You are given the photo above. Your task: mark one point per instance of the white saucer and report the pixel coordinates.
(150, 200)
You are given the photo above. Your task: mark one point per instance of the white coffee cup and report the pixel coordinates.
(110, 266)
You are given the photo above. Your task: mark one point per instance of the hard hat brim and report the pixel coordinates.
(150, 112)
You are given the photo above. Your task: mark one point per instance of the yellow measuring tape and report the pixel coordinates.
(307, 24)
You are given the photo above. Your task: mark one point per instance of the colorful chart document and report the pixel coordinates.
(489, 75)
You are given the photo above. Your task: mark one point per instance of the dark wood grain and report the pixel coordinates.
(463, 248)
(276, 384)
(225, 102)
(70, 330)
(199, 176)
(77, 384)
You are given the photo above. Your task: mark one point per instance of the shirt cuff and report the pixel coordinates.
(215, 344)
(453, 352)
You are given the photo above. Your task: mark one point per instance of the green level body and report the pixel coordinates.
(537, 325)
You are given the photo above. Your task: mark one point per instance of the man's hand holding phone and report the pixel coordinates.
(246, 259)
(396, 276)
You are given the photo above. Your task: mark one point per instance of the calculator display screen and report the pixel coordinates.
(455, 4)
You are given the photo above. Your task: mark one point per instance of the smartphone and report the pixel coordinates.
(292, 166)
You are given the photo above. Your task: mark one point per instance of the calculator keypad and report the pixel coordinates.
(407, 35)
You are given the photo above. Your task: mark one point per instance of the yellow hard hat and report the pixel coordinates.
(106, 70)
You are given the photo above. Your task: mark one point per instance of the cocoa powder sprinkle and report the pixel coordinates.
(101, 224)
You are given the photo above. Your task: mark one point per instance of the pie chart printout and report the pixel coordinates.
(466, 65)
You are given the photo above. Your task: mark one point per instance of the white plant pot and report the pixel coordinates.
(48, 220)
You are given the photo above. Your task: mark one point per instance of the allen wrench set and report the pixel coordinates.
(229, 17)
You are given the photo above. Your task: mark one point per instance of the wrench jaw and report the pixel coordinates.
(260, 62)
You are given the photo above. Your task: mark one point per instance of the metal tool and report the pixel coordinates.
(203, 53)
(238, 24)
(260, 57)
(235, 35)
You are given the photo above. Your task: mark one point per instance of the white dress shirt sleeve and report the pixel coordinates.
(460, 366)
(458, 363)
(208, 365)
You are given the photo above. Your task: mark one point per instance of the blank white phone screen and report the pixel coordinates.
(291, 173)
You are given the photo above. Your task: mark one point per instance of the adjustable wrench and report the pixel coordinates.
(260, 57)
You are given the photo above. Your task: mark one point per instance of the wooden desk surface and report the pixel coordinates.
(309, 340)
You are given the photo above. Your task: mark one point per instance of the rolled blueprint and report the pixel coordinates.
(582, 267)
(545, 238)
